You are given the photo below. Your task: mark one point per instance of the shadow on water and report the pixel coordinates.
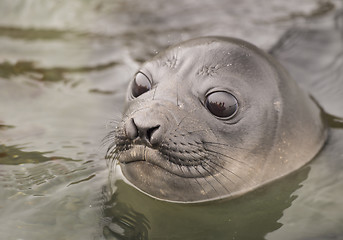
(334, 121)
(8, 70)
(13, 155)
(126, 222)
(32, 34)
(134, 215)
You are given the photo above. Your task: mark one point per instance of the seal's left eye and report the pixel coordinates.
(221, 104)
(140, 85)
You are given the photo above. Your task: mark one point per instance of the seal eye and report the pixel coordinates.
(140, 85)
(221, 104)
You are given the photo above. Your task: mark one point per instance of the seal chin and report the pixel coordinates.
(149, 157)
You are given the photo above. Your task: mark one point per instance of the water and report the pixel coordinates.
(64, 66)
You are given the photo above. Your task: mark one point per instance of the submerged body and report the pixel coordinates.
(213, 118)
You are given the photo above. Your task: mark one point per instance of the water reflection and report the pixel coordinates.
(334, 121)
(125, 222)
(8, 70)
(43, 196)
(134, 215)
(13, 155)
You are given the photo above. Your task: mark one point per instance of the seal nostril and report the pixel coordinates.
(150, 132)
(131, 129)
(141, 131)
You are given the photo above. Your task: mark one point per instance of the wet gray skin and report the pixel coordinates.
(214, 118)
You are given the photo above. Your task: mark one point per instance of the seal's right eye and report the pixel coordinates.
(140, 85)
(222, 104)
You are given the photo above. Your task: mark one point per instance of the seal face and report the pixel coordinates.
(213, 118)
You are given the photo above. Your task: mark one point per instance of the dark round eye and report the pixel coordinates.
(140, 85)
(221, 104)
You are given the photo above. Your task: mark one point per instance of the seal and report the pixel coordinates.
(213, 118)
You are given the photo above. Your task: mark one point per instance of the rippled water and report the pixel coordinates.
(64, 66)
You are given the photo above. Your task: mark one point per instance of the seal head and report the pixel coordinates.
(214, 118)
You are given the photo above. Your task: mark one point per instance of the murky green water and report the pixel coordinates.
(64, 66)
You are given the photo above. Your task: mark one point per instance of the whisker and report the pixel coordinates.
(106, 141)
(114, 150)
(112, 168)
(217, 170)
(224, 155)
(220, 183)
(114, 121)
(195, 167)
(112, 133)
(221, 167)
(228, 170)
(187, 167)
(217, 144)
(180, 166)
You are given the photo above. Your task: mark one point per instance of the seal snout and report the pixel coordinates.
(143, 131)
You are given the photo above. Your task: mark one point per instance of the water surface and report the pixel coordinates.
(64, 67)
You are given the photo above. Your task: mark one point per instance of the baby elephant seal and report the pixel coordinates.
(213, 118)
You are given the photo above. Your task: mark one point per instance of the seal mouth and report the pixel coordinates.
(143, 153)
